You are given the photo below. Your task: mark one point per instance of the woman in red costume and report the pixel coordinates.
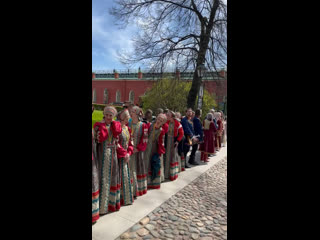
(125, 141)
(155, 148)
(138, 170)
(209, 131)
(174, 136)
(106, 136)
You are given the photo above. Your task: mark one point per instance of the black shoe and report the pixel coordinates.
(187, 166)
(193, 163)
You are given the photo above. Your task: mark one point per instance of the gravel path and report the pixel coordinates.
(198, 211)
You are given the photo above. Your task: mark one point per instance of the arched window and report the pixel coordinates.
(94, 96)
(105, 96)
(131, 96)
(118, 96)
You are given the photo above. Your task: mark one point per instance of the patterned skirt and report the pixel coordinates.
(138, 173)
(162, 178)
(181, 158)
(109, 198)
(153, 183)
(179, 162)
(171, 164)
(126, 187)
(95, 190)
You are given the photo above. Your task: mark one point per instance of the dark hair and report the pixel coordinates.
(198, 112)
(149, 111)
(188, 109)
(159, 110)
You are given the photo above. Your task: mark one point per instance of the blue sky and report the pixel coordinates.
(107, 39)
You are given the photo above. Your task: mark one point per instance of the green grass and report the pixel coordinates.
(96, 116)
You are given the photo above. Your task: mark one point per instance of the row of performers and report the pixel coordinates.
(130, 157)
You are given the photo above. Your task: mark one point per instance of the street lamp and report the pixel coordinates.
(200, 70)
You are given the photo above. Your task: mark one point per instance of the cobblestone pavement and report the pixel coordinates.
(198, 211)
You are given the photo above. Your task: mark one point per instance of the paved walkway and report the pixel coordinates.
(191, 210)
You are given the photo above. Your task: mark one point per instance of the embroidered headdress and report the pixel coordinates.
(163, 117)
(110, 110)
(124, 114)
(136, 110)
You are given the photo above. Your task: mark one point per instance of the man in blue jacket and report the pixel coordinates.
(187, 125)
(197, 126)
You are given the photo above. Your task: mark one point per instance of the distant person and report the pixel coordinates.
(187, 125)
(181, 157)
(215, 120)
(158, 111)
(165, 125)
(148, 117)
(219, 131)
(125, 141)
(193, 115)
(209, 129)
(197, 126)
(178, 116)
(225, 130)
(154, 151)
(174, 136)
(138, 170)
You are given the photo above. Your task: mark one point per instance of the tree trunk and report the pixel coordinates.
(206, 29)
(196, 81)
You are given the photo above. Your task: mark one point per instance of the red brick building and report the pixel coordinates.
(121, 87)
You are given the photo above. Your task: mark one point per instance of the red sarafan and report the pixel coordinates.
(208, 145)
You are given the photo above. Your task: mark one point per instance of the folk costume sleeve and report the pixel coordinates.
(121, 152)
(180, 131)
(116, 128)
(165, 127)
(220, 127)
(161, 148)
(144, 138)
(101, 127)
(213, 127)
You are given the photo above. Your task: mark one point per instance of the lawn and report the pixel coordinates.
(96, 116)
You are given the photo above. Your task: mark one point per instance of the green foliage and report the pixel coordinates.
(208, 103)
(98, 106)
(172, 94)
(96, 116)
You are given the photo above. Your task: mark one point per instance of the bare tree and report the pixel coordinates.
(183, 33)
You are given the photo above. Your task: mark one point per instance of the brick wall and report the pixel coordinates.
(219, 87)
